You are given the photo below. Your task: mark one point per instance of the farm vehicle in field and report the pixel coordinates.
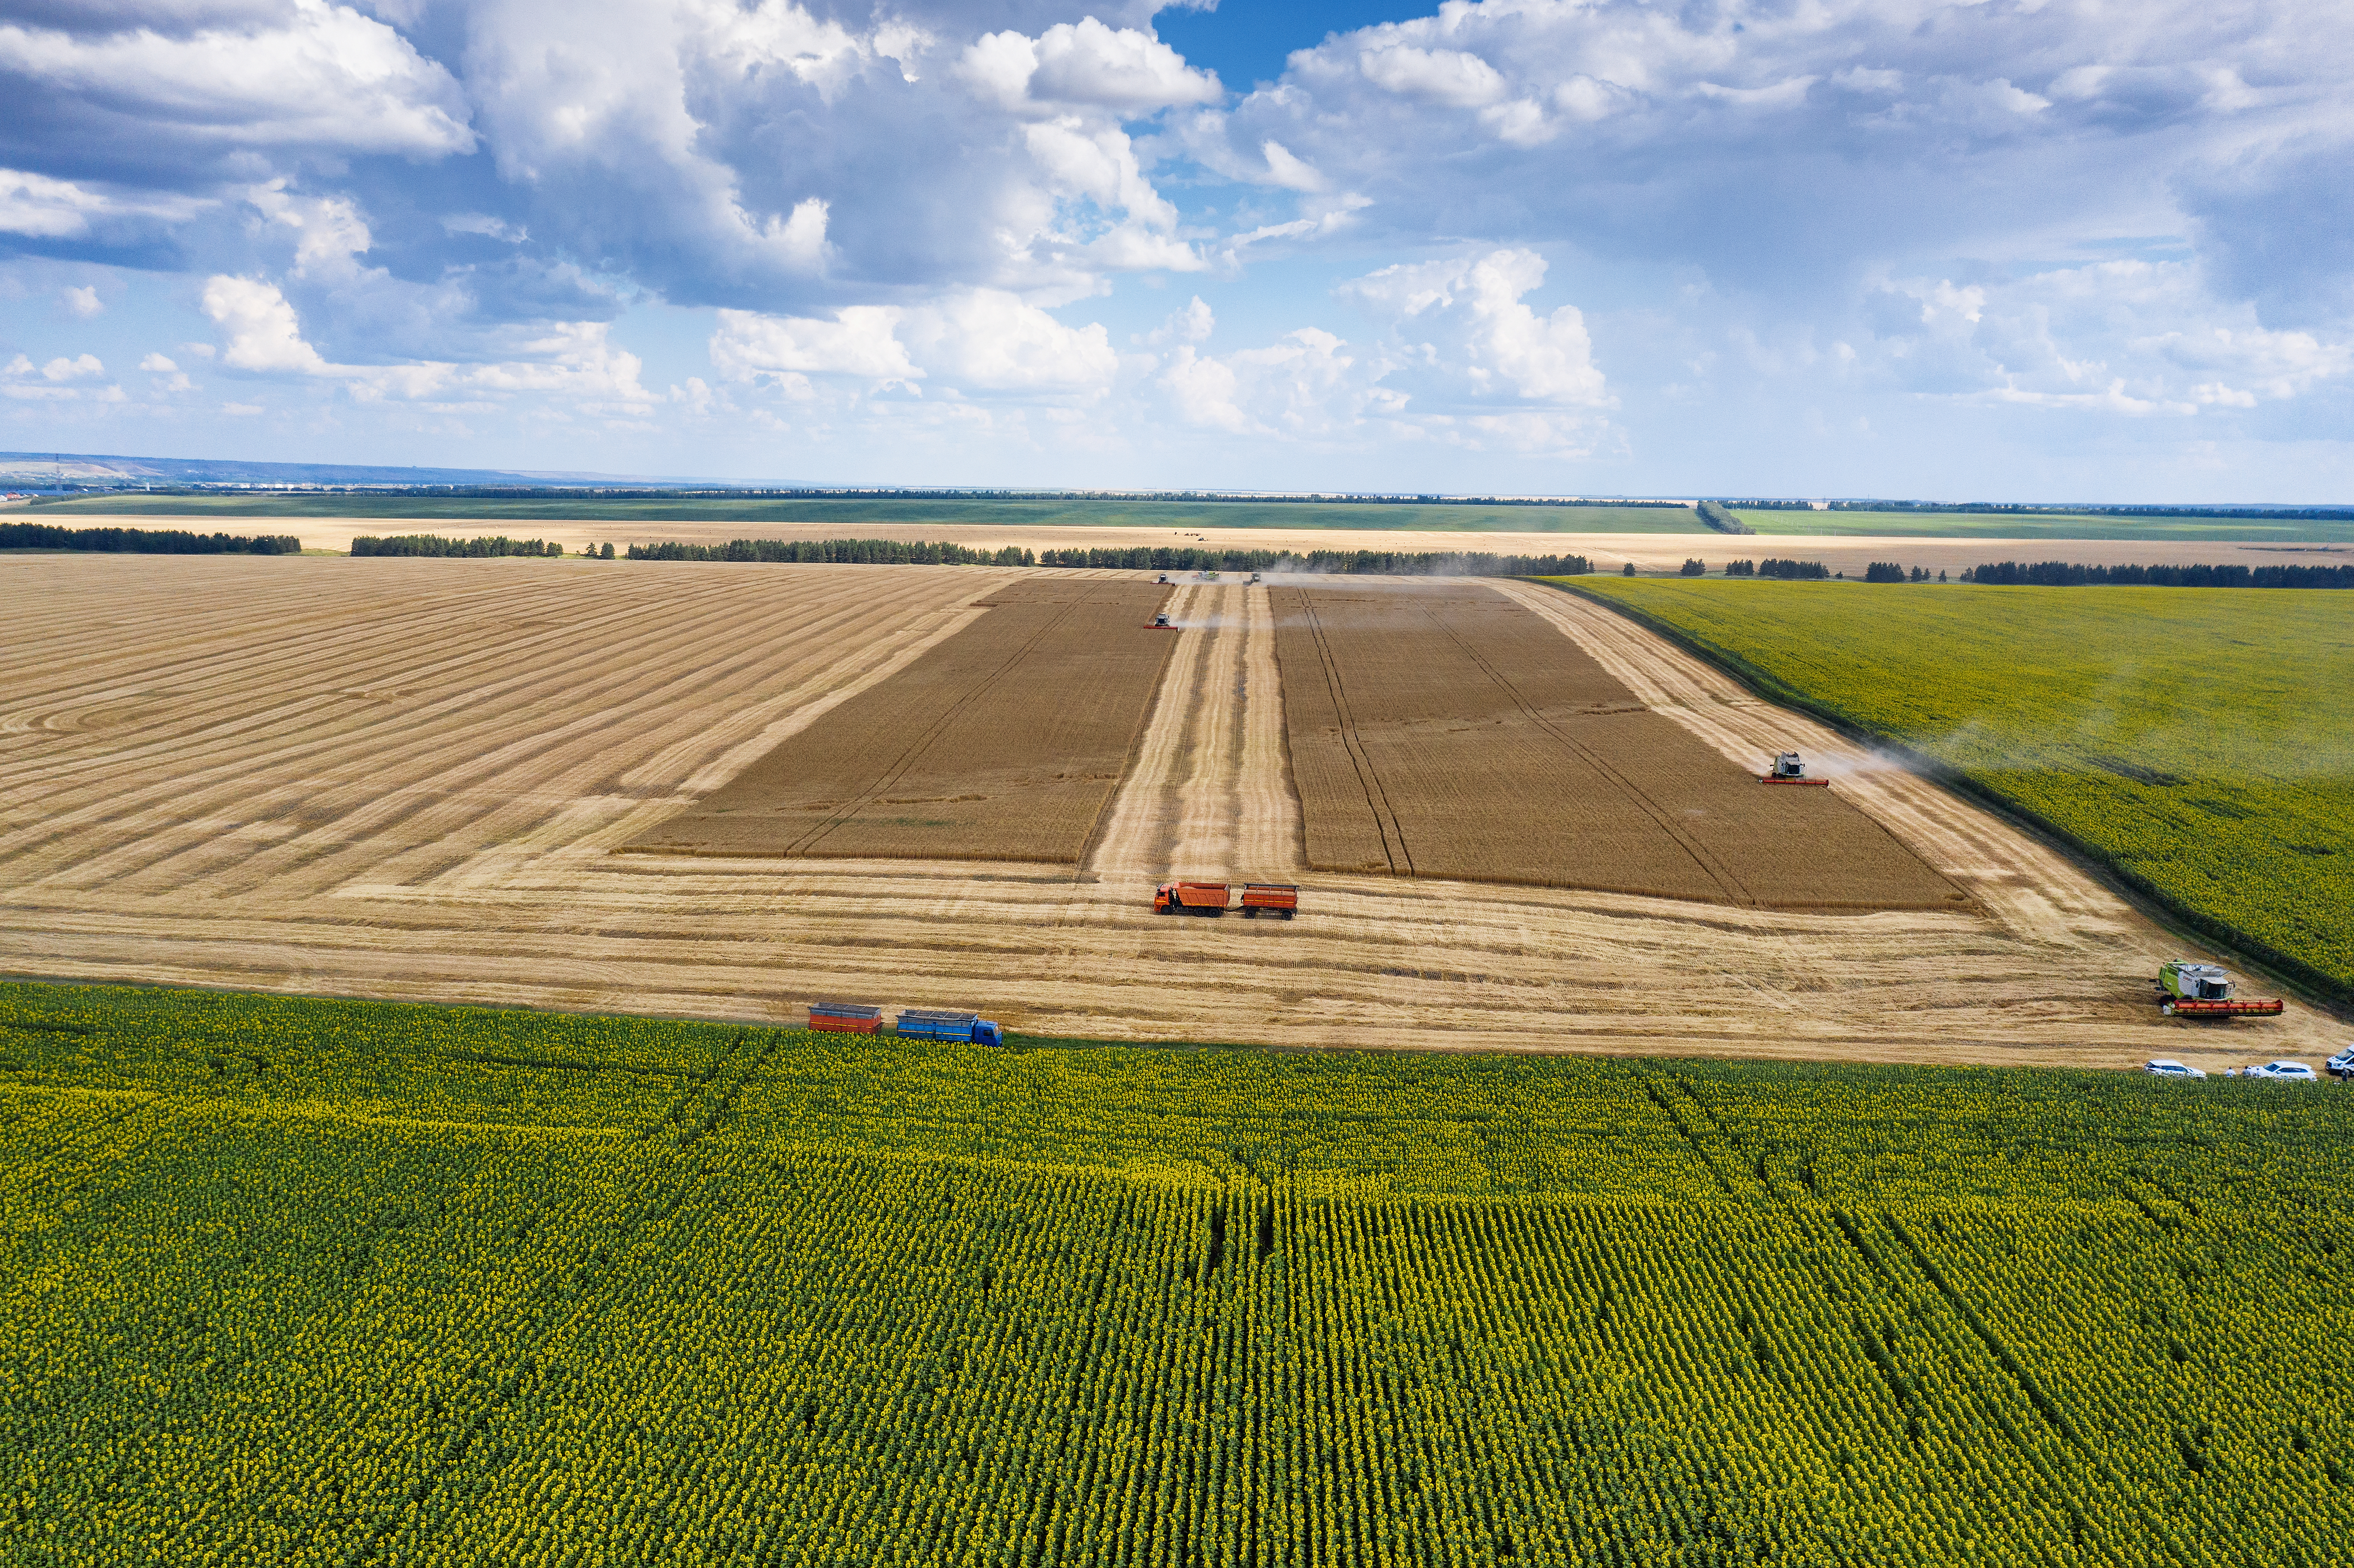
(2187, 989)
(914, 1023)
(1789, 769)
(964, 1028)
(1217, 898)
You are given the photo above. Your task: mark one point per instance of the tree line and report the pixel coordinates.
(435, 544)
(2068, 573)
(854, 552)
(144, 541)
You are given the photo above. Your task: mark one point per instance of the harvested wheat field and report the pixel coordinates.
(409, 778)
(1004, 742)
(1447, 730)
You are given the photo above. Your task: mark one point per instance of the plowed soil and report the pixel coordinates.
(1003, 742)
(1447, 730)
(408, 778)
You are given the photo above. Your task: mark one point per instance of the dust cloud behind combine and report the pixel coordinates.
(410, 778)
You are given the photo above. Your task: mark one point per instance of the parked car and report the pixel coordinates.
(2343, 1065)
(2283, 1073)
(2167, 1068)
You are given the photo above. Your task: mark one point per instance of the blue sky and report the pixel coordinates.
(2007, 250)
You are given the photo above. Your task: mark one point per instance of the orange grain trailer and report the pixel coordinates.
(845, 1018)
(1270, 898)
(1190, 898)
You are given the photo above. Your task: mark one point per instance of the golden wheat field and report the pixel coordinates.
(1446, 729)
(960, 755)
(416, 779)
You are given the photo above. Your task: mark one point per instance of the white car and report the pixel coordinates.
(2166, 1068)
(2283, 1073)
(2343, 1065)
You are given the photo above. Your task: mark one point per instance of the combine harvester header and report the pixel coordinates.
(2188, 990)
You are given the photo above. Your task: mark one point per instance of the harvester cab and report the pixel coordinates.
(1254, 578)
(1160, 623)
(2204, 991)
(1163, 577)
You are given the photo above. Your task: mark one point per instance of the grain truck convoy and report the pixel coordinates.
(914, 1023)
(1217, 898)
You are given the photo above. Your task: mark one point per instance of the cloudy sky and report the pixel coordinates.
(2014, 249)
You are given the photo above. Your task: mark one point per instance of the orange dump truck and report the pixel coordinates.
(1190, 898)
(1217, 898)
(845, 1018)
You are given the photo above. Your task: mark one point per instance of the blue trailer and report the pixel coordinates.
(965, 1028)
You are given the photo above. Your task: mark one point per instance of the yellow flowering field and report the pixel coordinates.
(435, 1286)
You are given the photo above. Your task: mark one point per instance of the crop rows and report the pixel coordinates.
(864, 1302)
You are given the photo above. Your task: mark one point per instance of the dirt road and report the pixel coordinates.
(406, 779)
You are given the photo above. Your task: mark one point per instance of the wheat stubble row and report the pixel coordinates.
(182, 804)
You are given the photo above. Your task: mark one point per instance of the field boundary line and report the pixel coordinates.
(2292, 973)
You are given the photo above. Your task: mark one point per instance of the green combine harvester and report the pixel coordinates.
(2188, 990)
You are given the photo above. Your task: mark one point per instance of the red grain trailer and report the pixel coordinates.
(1270, 898)
(845, 1018)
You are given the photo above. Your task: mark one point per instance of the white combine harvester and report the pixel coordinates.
(1789, 769)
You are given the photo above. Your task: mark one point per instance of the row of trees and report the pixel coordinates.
(859, 552)
(435, 544)
(2068, 573)
(1776, 567)
(144, 541)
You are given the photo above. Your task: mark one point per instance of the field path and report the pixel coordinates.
(408, 778)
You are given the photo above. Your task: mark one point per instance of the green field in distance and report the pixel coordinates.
(2200, 739)
(299, 1282)
(2050, 525)
(849, 515)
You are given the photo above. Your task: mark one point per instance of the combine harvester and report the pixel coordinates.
(1217, 898)
(1789, 769)
(2187, 989)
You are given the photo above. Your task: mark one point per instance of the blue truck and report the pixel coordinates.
(965, 1028)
